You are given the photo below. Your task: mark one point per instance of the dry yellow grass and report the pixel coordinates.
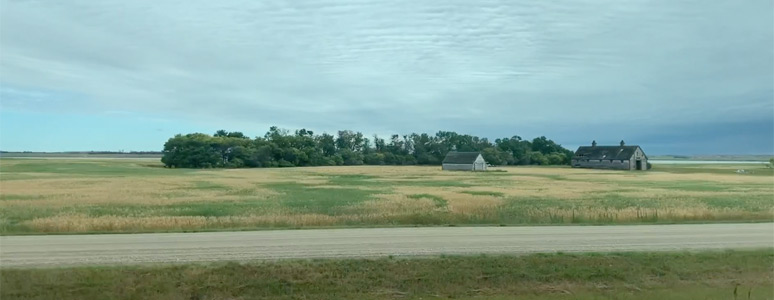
(84, 223)
(139, 191)
(82, 196)
(394, 205)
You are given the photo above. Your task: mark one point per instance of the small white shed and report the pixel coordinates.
(464, 161)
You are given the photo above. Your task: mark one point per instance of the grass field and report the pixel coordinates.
(124, 195)
(709, 275)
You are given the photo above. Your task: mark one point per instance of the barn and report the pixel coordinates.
(464, 161)
(621, 157)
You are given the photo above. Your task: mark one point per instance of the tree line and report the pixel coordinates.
(282, 148)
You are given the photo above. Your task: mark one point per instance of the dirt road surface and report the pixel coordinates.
(111, 249)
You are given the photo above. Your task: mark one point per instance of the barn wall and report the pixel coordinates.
(639, 155)
(604, 164)
(458, 167)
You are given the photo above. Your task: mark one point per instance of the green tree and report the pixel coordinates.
(279, 148)
(537, 158)
(327, 144)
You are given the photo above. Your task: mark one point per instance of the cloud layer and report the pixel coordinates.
(571, 70)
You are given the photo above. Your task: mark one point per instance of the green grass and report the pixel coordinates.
(705, 275)
(360, 180)
(5, 197)
(352, 180)
(690, 186)
(311, 199)
(754, 170)
(206, 185)
(753, 203)
(433, 183)
(484, 193)
(29, 168)
(439, 201)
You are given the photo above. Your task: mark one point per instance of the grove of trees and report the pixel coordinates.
(281, 148)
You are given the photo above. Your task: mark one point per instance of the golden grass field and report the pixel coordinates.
(124, 195)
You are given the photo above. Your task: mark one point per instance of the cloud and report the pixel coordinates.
(485, 67)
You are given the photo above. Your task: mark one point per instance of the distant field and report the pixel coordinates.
(710, 275)
(125, 195)
(89, 155)
(760, 158)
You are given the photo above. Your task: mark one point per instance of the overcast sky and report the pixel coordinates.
(676, 77)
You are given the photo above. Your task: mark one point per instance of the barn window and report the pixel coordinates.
(611, 161)
(622, 161)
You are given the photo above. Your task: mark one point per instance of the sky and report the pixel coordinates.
(675, 77)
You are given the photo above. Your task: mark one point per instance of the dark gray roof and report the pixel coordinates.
(460, 157)
(606, 152)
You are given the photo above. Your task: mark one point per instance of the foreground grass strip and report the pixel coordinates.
(709, 275)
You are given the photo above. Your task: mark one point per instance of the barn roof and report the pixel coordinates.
(461, 157)
(606, 152)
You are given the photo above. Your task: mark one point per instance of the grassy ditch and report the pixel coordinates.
(684, 275)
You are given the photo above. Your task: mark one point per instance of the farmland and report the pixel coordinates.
(126, 195)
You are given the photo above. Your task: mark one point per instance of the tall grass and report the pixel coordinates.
(710, 275)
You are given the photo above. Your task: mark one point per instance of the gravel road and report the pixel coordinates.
(110, 249)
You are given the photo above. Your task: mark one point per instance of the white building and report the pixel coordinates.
(464, 161)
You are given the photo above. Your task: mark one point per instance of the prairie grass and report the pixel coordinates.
(61, 195)
(683, 275)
